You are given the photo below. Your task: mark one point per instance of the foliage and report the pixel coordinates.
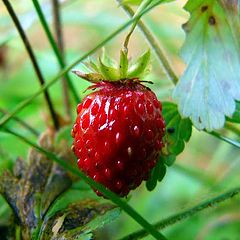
(211, 82)
(49, 201)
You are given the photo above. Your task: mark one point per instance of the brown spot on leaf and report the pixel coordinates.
(204, 8)
(212, 20)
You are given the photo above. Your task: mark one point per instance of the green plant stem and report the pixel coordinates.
(59, 39)
(144, 4)
(114, 198)
(155, 46)
(21, 122)
(225, 139)
(33, 60)
(187, 213)
(24, 103)
(55, 48)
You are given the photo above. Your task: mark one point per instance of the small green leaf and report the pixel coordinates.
(138, 69)
(123, 68)
(178, 130)
(207, 91)
(109, 73)
(157, 174)
(169, 159)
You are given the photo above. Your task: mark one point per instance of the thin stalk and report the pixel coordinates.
(144, 4)
(225, 139)
(187, 213)
(33, 60)
(24, 103)
(21, 122)
(55, 48)
(107, 193)
(197, 174)
(57, 23)
(168, 69)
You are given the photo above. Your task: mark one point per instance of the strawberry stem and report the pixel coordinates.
(144, 4)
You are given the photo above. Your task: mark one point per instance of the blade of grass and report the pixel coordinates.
(57, 23)
(33, 60)
(55, 48)
(107, 193)
(21, 122)
(24, 103)
(186, 214)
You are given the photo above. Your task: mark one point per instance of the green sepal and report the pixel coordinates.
(109, 73)
(123, 67)
(138, 69)
(108, 60)
(91, 77)
(91, 66)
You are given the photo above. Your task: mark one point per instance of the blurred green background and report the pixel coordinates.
(207, 166)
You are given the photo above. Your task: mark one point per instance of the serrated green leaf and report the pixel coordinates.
(123, 68)
(211, 82)
(139, 68)
(109, 73)
(178, 130)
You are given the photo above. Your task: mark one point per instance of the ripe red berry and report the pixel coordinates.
(118, 134)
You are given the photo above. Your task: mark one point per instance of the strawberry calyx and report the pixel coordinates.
(108, 70)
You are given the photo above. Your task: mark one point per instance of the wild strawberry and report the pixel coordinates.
(118, 134)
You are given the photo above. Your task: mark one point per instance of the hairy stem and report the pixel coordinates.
(155, 46)
(107, 193)
(27, 101)
(55, 48)
(187, 213)
(33, 60)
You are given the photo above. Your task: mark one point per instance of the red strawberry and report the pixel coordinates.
(118, 134)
